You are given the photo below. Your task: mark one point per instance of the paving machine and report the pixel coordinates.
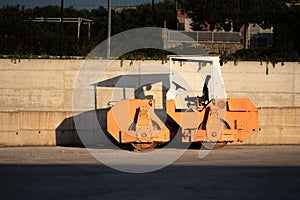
(206, 119)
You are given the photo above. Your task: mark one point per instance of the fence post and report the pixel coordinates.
(61, 27)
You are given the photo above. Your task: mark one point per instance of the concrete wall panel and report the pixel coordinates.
(265, 99)
(31, 99)
(278, 126)
(36, 96)
(27, 138)
(9, 121)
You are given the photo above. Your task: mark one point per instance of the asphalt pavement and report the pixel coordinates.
(233, 172)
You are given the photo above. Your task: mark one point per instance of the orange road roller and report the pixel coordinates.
(207, 118)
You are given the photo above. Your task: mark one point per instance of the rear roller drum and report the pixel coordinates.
(144, 146)
(213, 145)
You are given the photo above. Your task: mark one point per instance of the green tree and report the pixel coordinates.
(219, 12)
(266, 13)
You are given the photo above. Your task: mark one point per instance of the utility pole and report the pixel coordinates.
(245, 14)
(176, 19)
(61, 27)
(153, 14)
(108, 28)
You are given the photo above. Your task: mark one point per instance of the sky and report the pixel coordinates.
(79, 4)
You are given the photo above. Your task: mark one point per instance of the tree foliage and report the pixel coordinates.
(20, 36)
(232, 14)
(220, 13)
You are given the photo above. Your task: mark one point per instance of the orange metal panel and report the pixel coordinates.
(135, 121)
(238, 123)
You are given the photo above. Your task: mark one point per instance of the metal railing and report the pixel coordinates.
(204, 36)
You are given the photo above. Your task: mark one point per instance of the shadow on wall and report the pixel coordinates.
(88, 130)
(67, 134)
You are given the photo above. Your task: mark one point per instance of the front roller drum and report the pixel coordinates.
(146, 146)
(213, 145)
(144, 131)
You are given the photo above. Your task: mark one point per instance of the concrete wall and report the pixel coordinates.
(265, 84)
(275, 90)
(36, 98)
